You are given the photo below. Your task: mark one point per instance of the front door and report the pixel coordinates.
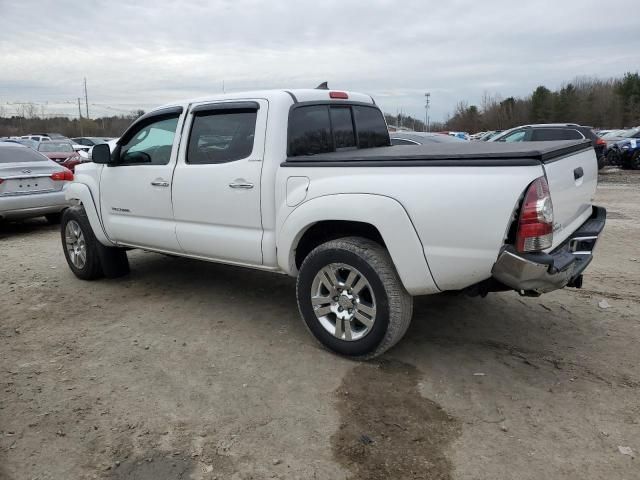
(216, 185)
(135, 191)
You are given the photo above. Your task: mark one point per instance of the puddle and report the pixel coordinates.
(387, 429)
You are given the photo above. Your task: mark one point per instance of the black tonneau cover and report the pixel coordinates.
(446, 154)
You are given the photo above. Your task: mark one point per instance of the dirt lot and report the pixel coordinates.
(200, 371)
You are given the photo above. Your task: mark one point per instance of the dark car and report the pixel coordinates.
(420, 138)
(61, 152)
(545, 132)
(624, 150)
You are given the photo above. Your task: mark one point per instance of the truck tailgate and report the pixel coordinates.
(572, 182)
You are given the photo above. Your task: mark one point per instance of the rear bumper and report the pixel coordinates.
(34, 205)
(537, 273)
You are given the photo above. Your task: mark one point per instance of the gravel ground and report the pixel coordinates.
(200, 371)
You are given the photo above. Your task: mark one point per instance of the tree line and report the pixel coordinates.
(610, 103)
(29, 122)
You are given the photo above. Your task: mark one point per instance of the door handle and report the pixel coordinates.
(578, 173)
(160, 183)
(241, 185)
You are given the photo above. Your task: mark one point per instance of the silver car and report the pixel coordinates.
(31, 185)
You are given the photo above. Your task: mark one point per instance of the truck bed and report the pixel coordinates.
(454, 154)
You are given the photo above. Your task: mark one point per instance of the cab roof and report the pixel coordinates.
(290, 96)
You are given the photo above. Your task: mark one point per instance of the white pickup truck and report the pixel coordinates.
(305, 183)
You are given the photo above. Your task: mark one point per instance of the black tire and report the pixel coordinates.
(394, 306)
(634, 163)
(602, 162)
(53, 218)
(100, 261)
(91, 269)
(613, 157)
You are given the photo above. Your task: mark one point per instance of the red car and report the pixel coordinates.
(60, 152)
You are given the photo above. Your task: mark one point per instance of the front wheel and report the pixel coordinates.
(87, 258)
(351, 298)
(634, 163)
(80, 245)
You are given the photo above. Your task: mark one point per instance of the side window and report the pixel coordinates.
(310, 131)
(221, 136)
(342, 125)
(517, 136)
(151, 145)
(371, 127)
(550, 134)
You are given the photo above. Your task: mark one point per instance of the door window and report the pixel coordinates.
(221, 136)
(151, 145)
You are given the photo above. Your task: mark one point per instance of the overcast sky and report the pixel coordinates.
(149, 52)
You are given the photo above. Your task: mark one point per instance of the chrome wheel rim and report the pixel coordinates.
(343, 301)
(76, 246)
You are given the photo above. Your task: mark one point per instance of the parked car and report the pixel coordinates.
(23, 141)
(306, 183)
(545, 132)
(50, 135)
(624, 150)
(31, 185)
(61, 152)
(421, 138)
(36, 138)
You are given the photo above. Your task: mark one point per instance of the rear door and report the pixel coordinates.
(216, 187)
(135, 191)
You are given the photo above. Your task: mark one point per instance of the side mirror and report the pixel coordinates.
(101, 154)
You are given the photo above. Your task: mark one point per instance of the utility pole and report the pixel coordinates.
(86, 97)
(426, 111)
(80, 117)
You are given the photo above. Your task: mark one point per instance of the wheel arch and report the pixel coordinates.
(79, 194)
(376, 217)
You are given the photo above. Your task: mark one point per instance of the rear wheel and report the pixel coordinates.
(602, 161)
(351, 298)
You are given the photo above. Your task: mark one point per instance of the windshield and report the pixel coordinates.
(55, 147)
(613, 134)
(630, 133)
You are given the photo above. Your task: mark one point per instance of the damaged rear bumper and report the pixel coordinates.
(536, 273)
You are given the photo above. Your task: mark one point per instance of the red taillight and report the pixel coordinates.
(600, 141)
(340, 95)
(66, 175)
(535, 225)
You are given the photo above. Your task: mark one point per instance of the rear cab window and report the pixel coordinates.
(330, 127)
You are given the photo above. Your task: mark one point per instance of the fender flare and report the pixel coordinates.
(79, 193)
(384, 213)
